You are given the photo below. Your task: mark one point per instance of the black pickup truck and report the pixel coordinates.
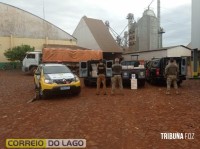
(130, 68)
(155, 69)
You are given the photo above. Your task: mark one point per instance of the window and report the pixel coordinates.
(183, 62)
(109, 64)
(31, 56)
(155, 63)
(55, 69)
(83, 65)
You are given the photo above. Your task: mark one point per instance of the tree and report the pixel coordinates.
(18, 53)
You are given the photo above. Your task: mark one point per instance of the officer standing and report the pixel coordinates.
(171, 73)
(101, 71)
(116, 79)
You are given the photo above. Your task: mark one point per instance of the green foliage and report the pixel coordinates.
(18, 53)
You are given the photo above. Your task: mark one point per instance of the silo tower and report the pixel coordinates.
(131, 31)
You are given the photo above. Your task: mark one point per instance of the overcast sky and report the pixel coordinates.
(66, 14)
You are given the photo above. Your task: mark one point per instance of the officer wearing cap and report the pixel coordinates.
(171, 73)
(116, 71)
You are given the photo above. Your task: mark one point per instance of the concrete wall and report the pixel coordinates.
(195, 24)
(19, 27)
(9, 42)
(19, 23)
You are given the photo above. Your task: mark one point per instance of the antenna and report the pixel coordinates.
(150, 4)
(43, 11)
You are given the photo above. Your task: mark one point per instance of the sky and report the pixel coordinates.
(66, 14)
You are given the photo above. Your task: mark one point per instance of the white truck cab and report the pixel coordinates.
(31, 61)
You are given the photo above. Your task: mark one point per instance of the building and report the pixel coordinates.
(195, 37)
(21, 27)
(93, 34)
(147, 32)
(195, 34)
(174, 51)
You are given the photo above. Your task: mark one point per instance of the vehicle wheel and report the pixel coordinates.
(78, 92)
(37, 94)
(141, 83)
(41, 94)
(86, 82)
(151, 81)
(33, 69)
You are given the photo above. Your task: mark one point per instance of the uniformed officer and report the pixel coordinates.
(171, 73)
(101, 71)
(116, 79)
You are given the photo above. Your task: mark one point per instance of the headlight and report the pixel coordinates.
(48, 81)
(142, 74)
(125, 74)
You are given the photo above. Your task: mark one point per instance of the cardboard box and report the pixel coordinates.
(94, 73)
(134, 84)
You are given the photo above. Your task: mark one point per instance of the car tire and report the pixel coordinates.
(86, 82)
(141, 83)
(32, 70)
(37, 94)
(78, 92)
(41, 94)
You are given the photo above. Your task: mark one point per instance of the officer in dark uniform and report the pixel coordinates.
(171, 73)
(101, 71)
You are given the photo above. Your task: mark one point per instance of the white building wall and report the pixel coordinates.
(146, 55)
(171, 52)
(22, 24)
(195, 43)
(178, 52)
(83, 34)
(152, 54)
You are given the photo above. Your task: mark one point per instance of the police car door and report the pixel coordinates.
(109, 68)
(83, 69)
(184, 66)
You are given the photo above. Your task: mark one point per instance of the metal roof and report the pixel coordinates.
(102, 35)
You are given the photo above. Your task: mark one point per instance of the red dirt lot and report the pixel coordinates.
(133, 121)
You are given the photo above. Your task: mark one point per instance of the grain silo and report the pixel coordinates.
(147, 31)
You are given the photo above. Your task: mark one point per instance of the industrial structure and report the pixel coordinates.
(146, 33)
(195, 43)
(21, 27)
(195, 37)
(93, 34)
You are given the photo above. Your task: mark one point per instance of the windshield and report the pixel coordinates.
(55, 69)
(130, 63)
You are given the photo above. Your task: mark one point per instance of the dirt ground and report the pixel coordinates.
(133, 121)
